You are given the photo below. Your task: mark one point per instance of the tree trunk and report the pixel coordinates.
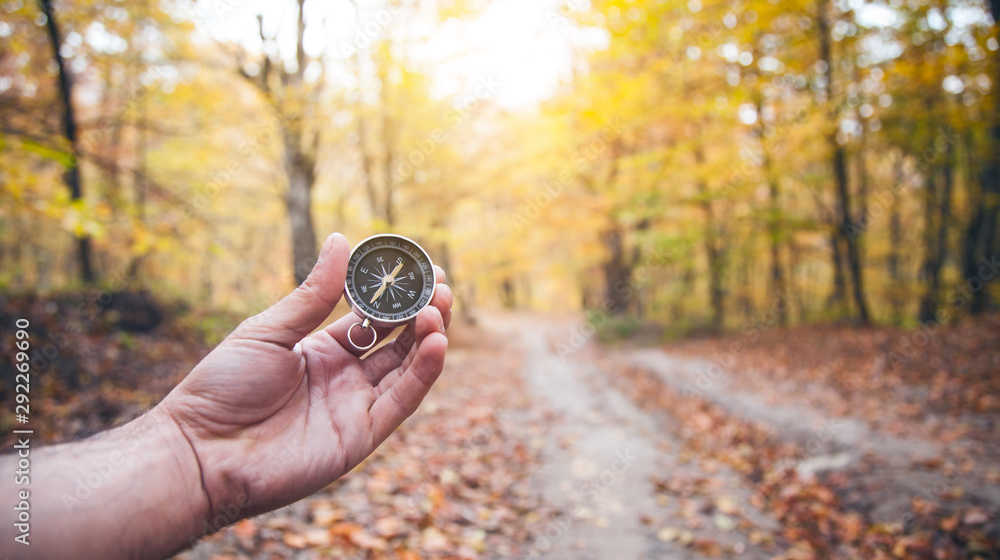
(368, 171)
(838, 296)
(839, 161)
(509, 296)
(983, 232)
(774, 216)
(388, 144)
(895, 242)
(974, 244)
(774, 232)
(795, 256)
(686, 284)
(746, 288)
(139, 178)
(716, 293)
(617, 272)
(853, 245)
(930, 266)
(862, 223)
(935, 237)
(301, 177)
(713, 252)
(367, 166)
(72, 175)
(300, 165)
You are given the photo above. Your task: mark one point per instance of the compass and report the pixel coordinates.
(390, 278)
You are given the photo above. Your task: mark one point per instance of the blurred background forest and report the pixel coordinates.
(724, 270)
(673, 162)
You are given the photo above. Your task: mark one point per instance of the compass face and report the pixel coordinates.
(389, 278)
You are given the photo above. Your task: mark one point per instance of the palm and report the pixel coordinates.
(272, 420)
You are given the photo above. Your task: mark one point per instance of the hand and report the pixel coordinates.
(276, 413)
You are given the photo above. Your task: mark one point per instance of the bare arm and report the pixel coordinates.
(270, 416)
(132, 492)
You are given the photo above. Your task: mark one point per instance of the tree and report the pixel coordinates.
(980, 235)
(72, 174)
(838, 162)
(295, 103)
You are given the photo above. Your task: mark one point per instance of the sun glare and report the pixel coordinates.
(524, 45)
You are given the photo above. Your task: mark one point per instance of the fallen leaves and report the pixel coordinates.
(452, 483)
(831, 369)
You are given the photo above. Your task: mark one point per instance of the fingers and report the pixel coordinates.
(443, 300)
(399, 393)
(339, 328)
(398, 353)
(300, 312)
(385, 368)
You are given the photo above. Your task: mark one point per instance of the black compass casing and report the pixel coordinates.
(390, 278)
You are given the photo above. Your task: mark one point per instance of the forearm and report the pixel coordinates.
(133, 492)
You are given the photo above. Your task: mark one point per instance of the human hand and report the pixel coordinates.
(275, 413)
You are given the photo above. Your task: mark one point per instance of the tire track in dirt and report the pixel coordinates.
(829, 443)
(600, 458)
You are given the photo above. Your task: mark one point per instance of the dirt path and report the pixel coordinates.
(604, 456)
(831, 443)
(600, 456)
(530, 418)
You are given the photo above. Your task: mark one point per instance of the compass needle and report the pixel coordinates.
(379, 292)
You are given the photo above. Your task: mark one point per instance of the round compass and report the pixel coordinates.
(389, 280)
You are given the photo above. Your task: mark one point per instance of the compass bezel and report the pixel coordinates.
(379, 319)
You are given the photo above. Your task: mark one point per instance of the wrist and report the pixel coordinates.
(158, 434)
(132, 492)
(223, 500)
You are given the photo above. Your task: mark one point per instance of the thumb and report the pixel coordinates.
(300, 312)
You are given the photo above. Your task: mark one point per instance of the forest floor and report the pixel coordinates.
(816, 442)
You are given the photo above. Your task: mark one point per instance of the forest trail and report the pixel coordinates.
(604, 455)
(540, 442)
(600, 458)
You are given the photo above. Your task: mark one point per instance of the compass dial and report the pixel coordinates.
(389, 278)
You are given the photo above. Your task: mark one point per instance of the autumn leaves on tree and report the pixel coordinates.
(708, 157)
